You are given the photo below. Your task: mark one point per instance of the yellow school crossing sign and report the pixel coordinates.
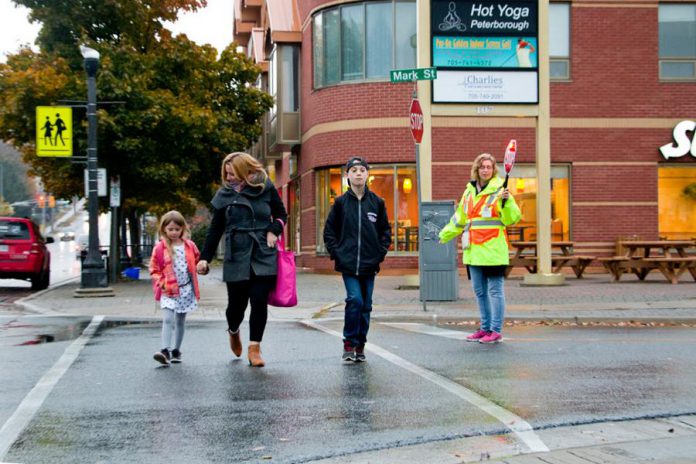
(54, 131)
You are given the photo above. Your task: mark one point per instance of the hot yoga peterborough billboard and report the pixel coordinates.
(485, 51)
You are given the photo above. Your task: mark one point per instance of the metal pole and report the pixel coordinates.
(113, 245)
(420, 214)
(93, 272)
(43, 212)
(114, 202)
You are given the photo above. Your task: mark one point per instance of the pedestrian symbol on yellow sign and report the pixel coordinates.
(54, 131)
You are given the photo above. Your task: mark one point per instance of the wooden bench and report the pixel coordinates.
(529, 262)
(673, 267)
(579, 263)
(615, 265)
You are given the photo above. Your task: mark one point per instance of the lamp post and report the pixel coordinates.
(93, 271)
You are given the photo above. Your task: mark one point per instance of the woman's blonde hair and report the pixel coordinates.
(477, 164)
(244, 167)
(178, 219)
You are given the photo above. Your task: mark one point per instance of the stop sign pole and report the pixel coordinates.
(416, 122)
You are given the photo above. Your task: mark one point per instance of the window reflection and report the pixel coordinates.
(396, 184)
(363, 40)
(676, 199)
(523, 185)
(407, 211)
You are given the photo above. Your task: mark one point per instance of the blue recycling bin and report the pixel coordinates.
(131, 273)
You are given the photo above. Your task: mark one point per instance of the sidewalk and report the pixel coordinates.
(590, 299)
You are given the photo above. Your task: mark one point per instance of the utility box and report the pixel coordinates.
(439, 278)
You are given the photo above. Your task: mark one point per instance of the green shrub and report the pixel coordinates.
(198, 233)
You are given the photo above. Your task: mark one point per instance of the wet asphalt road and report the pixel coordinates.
(115, 405)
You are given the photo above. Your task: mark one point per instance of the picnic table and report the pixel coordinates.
(562, 255)
(670, 257)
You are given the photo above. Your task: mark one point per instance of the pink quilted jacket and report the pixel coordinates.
(162, 270)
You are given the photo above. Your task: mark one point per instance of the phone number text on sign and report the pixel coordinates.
(454, 86)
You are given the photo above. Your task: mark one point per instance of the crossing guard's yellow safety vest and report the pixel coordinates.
(481, 220)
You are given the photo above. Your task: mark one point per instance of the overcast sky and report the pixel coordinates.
(212, 25)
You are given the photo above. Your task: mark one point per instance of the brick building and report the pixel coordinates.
(622, 77)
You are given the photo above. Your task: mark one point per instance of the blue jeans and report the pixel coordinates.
(490, 295)
(358, 308)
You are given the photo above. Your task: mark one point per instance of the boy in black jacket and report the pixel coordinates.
(357, 236)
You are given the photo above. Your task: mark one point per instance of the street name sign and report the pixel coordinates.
(54, 131)
(417, 74)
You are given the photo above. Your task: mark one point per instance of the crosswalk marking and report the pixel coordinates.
(428, 330)
(31, 403)
(516, 424)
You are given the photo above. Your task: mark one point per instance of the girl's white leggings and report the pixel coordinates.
(172, 325)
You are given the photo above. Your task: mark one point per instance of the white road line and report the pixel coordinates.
(427, 330)
(31, 403)
(516, 424)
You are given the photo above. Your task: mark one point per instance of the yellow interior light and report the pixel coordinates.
(519, 185)
(408, 185)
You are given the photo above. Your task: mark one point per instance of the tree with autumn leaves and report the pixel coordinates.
(181, 107)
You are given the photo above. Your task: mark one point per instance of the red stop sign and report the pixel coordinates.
(416, 118)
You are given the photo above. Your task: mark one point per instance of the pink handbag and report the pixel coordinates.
(284, 294)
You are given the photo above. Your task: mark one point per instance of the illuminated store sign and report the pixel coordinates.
(477, 40)
(684, 141)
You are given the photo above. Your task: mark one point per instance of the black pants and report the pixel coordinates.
(239, 294)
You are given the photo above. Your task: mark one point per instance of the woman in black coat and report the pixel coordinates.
(249, 211)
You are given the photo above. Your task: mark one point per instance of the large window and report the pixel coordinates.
(677, 35)
(524, 187)
(396, 184)
(292, 242)
(676, 199)
(559, 40)
(360, 41)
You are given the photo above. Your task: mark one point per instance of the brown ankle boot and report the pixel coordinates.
(254, 353)
(235, 342)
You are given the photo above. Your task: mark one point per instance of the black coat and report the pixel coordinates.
(245, 217)
(357, 233)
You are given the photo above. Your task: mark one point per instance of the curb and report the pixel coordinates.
(26, 304)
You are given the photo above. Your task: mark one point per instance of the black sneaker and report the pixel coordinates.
(162, 357)
(176, 356)
(348, 353)
(360, 353)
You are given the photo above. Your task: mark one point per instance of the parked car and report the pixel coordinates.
(23, 252)
(82, 247)
(66, 236)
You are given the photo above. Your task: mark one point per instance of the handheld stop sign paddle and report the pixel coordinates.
(510, 153)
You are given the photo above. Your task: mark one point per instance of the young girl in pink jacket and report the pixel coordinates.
(174, 282)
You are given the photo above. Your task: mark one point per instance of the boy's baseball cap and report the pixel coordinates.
(356, 161)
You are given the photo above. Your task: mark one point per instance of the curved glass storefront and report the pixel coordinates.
(395, 183)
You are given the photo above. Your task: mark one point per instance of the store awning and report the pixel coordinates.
(284, 21)
(256, 46)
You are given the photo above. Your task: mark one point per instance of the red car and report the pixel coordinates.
(23, 252)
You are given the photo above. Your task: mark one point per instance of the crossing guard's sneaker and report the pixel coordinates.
(163, 357)
(360, 353)
(176, 356)
(348, 353)
(476, 336)
(492, 337)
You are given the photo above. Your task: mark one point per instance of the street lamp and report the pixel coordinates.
(93, 270)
